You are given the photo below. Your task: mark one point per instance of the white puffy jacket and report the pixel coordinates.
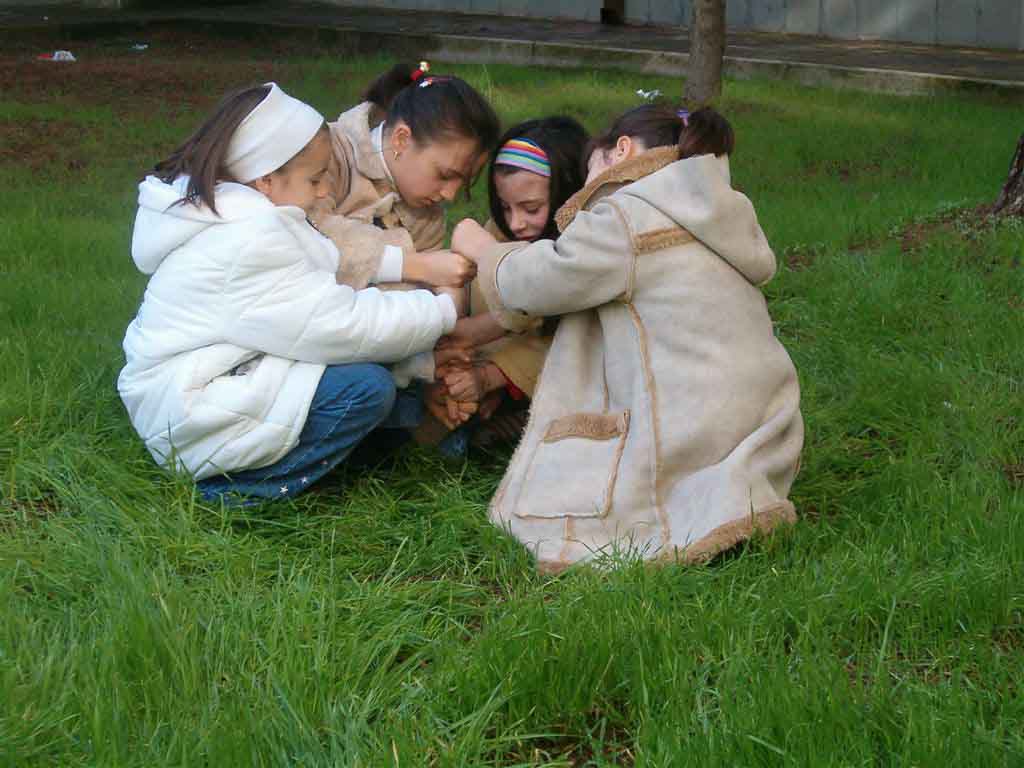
(241, 315)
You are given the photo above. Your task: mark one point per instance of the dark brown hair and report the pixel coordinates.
(201, 155)
(705, 132)
(563, 140)
(435, 107)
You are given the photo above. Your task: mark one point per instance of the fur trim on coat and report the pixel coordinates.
(666, 422)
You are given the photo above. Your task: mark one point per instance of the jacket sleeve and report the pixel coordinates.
(481, 299)
(279, 304)
(589, 265)
(361, 245)
(361, 250)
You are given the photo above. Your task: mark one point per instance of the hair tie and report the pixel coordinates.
(427, 81)
(684, 115)
(524, 154)
(421, 70)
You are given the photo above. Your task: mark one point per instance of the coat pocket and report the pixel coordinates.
(574, 468)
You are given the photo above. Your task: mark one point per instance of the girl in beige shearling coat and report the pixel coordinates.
(666, 422)
(414, 142)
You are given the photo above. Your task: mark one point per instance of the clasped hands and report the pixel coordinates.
(463, 385)
(455, 267)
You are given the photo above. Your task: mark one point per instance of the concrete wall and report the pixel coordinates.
(981, 23)
(587, 10)
(106, 4)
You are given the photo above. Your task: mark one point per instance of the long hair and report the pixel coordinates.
(201, 155)
(563, 140)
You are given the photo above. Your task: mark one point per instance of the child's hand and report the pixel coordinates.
(436, 400)
(460, 411)
(439, 268)
(471, 240)
(465, 384)
(449, 357)
(474, 383)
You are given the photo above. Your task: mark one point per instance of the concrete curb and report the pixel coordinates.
(493, 50)
(477, 50)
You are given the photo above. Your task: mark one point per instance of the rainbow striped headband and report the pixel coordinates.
(525, 154)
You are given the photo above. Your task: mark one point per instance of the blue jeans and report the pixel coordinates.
(350, 402)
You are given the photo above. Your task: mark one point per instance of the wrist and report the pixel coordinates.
(472, 327)
(414, 268)
(493, 378)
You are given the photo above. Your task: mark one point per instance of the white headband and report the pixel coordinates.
(276, 130)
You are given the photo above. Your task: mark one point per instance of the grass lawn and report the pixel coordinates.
(382, 620)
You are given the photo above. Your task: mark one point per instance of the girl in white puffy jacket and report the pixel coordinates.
(248, 366)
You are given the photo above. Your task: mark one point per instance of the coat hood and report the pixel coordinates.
(697, 195)
(163, 224)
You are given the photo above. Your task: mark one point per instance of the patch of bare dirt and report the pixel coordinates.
(1009, 639)
(960, 223)
(844, 170)
(180, 67)
(1014, 474)
(128, 86)
(573, 751)
(179, 72)
(40, 144)
(801, 257)
(21, 511)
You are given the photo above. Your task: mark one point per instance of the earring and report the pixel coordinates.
(397, 154)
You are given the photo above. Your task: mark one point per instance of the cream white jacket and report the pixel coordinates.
(241, 315)
(666, 420)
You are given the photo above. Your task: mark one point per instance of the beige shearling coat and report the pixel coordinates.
(359, 191)
(666, 422)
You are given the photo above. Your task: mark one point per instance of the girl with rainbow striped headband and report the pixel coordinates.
(538, 165)
(550, 151)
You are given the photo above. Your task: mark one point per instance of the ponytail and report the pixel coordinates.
(705, 132)
(201, 156)
(434, 106)
(382, 91)
(656, 125)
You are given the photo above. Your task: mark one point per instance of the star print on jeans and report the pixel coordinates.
(284, 489)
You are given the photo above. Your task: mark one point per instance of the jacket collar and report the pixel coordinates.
(356, 125)
(625, 172)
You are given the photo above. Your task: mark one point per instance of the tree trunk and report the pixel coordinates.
(707, 49)
(613, 12)
(1011, 199)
